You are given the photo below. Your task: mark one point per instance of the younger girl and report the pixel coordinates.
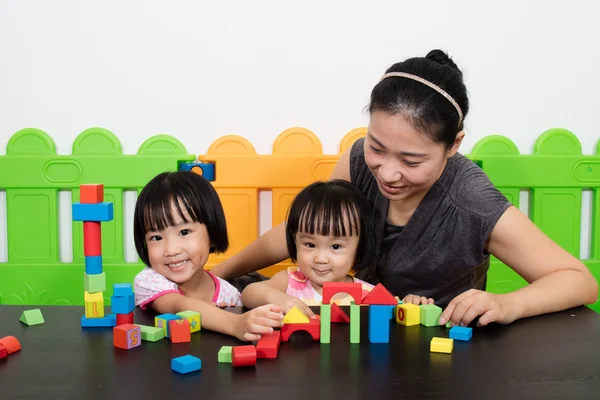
(329, 233)
(178, 222)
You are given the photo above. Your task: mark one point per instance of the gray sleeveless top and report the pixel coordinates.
(440, 252)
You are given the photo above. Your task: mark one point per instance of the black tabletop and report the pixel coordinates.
(555, 356)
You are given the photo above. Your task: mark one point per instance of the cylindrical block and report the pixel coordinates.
(92, 239)
(243, 356)
(93, 265)
(11, 343)
(124, 319)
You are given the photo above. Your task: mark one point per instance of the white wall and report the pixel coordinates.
(199, 70)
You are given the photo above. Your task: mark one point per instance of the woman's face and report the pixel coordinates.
(404, 161)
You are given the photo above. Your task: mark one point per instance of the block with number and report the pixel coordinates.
(162, 321)
(94, 305)
(127, 336)
(193, 318)
(408, 314)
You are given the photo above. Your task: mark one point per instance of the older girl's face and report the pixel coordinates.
(404, 161)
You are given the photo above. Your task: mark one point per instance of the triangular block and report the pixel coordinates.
(379, 295)
(338, 315)
(32, 317)
(295, 316)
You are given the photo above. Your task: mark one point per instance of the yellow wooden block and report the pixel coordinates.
(193, 318)
(91, 297)
(94, 309)
(408, 314)
(295, 316)
(441, 345)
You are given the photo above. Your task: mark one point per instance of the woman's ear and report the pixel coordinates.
(456, 145)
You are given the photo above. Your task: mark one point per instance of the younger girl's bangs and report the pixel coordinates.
(329, 218)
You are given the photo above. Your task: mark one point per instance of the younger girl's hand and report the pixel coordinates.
(254, 323)
(465, 307)
(416, 300)
(287, 302)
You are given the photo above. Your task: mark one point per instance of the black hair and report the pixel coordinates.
(334, 208)
(185, 190)
(423, 107)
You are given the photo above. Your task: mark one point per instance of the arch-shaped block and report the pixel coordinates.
(313, 328)
(332, 288)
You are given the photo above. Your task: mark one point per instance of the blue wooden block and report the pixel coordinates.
(379, 323)
(108, 320)
(122, 289)
(102, 212)
(207, 170)
(93, 265)
(122, 304)
(186, 364)
(462, 333)
(162, 321)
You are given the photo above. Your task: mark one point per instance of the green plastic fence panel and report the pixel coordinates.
(34, 273)
(555, 174)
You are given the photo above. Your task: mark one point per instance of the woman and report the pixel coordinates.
(438, 218)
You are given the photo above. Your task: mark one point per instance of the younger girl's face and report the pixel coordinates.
(179, 251)
(325, 258)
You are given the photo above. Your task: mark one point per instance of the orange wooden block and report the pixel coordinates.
(381, 296)
(331, 288)
(91, 194)
(127, 336)
(180, 331)
(125, 319)
(92, 239)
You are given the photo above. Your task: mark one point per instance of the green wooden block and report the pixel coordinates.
(95, 283)
(225, 354)
(449, 324)
(193, 318)
(325, 323)
(151, 333)
(430, 314)
(354, 323)
(32, 317)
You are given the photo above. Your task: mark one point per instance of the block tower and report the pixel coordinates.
(92, 211)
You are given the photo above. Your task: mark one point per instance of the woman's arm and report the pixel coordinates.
(557, 279)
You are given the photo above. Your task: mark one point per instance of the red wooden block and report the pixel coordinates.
(313, 327)
(125, 319)
(243, 356)
(11, 344)
(268, 345)
(331, 288)
(180, 331)
(338, 315)
(127, 336)
(381, 296)
(3, 352)
(91, 194)
(92, 239)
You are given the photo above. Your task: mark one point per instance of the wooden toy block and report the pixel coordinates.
(93, 265)
(122, 289)
(338, 315)
(95, 308)
(380, 295)
(151, 333)
(180, 331)
(243, 356)
(108, 320)
(11, 344)
(354, 323)
(193, 318)
(441, 345)
(462, 333)
(162, 321)
(91, 193)
(3, 352)
(32, 317)
(127, 336)
(325, 315)
(430, 314)
(124, 318)
(268, 345)
(408, 314)
(295, 316)
(313, 327)
(91, 297)
(94, 283)
(225, 354)
(379, 322)
(98, 212)
(331, 288)
(122, 304)
(186, 364)
(92, 239)
(449, 324)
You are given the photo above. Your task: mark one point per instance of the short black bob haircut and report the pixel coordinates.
(334, 208)
(186, 190)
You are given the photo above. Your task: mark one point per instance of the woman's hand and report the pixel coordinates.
(473, 303)
(416, 300)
